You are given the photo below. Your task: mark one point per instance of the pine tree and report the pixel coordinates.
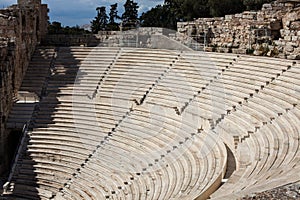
(100, 21)
(113, 15)
(130, 15)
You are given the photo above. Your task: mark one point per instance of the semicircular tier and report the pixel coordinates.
(127, 123)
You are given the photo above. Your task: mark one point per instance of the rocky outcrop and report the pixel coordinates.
(22, 27)
(272, 31)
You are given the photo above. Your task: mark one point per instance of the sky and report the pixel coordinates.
(80, 12)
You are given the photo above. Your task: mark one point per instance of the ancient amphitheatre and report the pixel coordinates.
(142, 116)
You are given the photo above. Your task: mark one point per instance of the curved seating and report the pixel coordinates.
(278, 140)
(126, 123)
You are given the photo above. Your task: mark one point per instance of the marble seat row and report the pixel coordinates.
(171, 145)
(38, 71)
(274, 160)
(68, 153)
(52, 139)
(276, 141)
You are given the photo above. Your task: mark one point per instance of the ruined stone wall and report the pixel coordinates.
(272, 31)
(103, 38)
(22, 27)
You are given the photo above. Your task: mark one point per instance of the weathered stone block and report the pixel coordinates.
(258, 53)
(238, 15)
(229, 17)
(223, 50)
(278, 42)
(208, 49)
(281, 55)
(267, 7)
(282, 32)
(295, 25)
(288, 4)
(293, 44)
(293, 57)
(291, 17)
(287, 38)
(239, 51)
(289, 48)
(295, 38)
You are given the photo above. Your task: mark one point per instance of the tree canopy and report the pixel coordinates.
(56, 28)
(171, 12)
(100, 21)
(113, 16)
(255, 4)
(219, 8)
(130, 16)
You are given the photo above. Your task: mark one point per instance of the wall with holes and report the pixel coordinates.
(22, 27)
(273, 31)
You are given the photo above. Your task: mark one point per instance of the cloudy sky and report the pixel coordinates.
(79, 12)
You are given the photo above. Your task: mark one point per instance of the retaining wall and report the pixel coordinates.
(272, 31)
(22, 27)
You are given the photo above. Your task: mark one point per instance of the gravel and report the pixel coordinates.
(287, 192)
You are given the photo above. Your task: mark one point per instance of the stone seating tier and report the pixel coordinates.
(127, 123)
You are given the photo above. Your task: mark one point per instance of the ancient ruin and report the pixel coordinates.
(274, 31)
(142, 116)
(22, 27)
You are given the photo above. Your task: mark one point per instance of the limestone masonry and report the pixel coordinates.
(22, 26)
(273, 31)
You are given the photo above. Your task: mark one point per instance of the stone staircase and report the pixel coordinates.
(31, 89)
(20, 114)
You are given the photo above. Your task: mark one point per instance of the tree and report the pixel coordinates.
(195, 9)
(130, 15)
(54, 28)
(254, 4)
(57, 28)
(173, 11)
(152, 18)
(155, 17)
(113, 15)
(219, 8)
(100, 21)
